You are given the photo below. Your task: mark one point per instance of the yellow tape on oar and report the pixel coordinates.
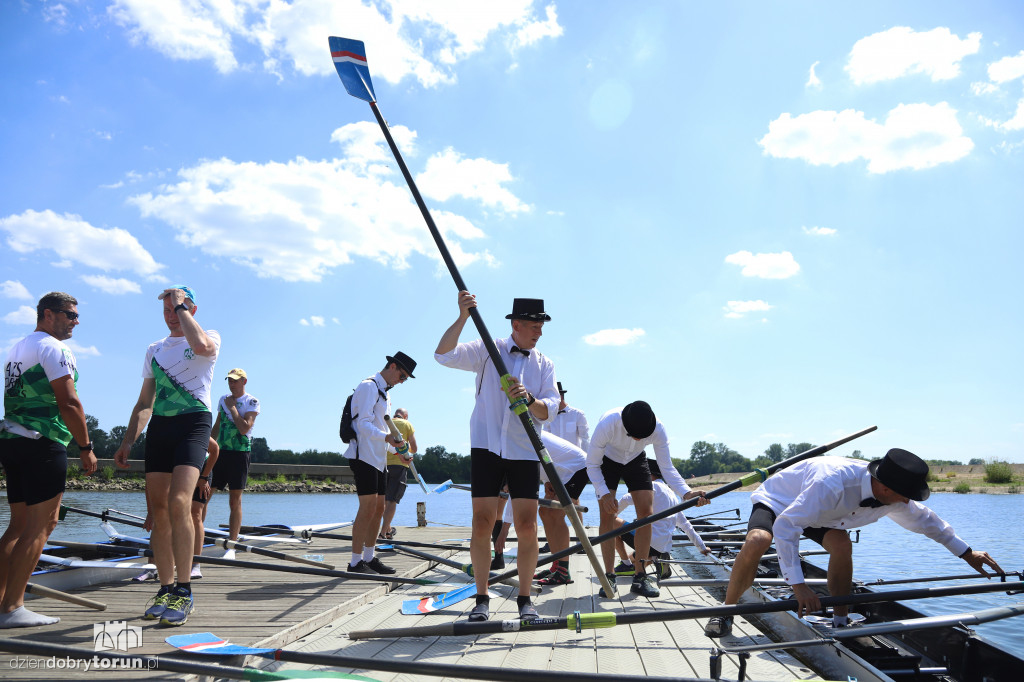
(517, 406)
(755, 476)
(578, 621)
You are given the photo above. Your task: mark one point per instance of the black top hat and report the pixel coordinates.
(902, 472)
(403, 361)
(561, 391)
(528, 309)
(638, 419)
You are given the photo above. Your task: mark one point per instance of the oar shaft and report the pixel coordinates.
(749, 479)
(396, 543)
(465, 568)
(43, 591)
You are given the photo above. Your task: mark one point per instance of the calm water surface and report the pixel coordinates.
(991, 523)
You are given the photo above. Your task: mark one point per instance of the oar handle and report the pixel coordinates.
(42, 591)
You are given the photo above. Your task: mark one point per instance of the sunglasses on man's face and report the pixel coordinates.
(71, 315)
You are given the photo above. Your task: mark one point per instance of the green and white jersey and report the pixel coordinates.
(183, 378)
(229, 437)
(29, 400)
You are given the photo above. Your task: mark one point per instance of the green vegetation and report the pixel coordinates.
(998, 471)
(962, 487)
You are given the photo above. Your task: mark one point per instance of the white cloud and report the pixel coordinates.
(812, 80)
(1015, 123)
(448, 174)
(80, 350)
(765, 265)
(13, 289)
(819, 231)
(737, 309)
(304, 322)
(901, 51)
(298, 220)
(316, 320)
(23, 315)
(614, 337)
(112, 285)
(76, 241)
(1007, 69)
(424, 40)
(914, 136)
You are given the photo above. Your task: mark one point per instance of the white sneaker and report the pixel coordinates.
(144, 576)
(230, 554)
(196, 572)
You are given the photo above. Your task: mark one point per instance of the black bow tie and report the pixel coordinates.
(517, 349)
(561, 412)
(870, 502)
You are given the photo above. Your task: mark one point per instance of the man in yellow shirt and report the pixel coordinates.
(398, 470)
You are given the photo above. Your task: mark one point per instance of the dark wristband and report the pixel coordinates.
(180, 306)
(87, 446)
(530, 400)
(966, 552)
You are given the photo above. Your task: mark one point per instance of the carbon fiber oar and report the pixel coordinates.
(350, 61)
(754, 477)
(580, 621)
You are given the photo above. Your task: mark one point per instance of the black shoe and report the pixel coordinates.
(378, 566)
(719, 626)
(497, 562)
(359, 567)
(480, 613)
(528, 612)
(644, 586)
(546, 549)
(611, 579)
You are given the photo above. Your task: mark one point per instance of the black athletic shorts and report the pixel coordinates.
(575, 485)
(369, 481)
(397, 474)
(630, 539)
(635, 473)
(489, 472)
(195, 493)
(231, 470)
(176, 441)
(763, 518)
(36, 469)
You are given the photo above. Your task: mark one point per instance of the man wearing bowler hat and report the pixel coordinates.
(367, 457)
(822, 498)
(500, 449)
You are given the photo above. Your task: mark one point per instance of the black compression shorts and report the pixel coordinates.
(231, 470)
(763, 518)
(635, 473)
(36, 469)
(369, 480)
(489, 472)
(176, 441)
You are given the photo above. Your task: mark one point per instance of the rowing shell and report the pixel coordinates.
(67, 574)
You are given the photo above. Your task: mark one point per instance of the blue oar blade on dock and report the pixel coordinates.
(415, 607)
(209, 643)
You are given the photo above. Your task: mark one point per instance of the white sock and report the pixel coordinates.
(356, 558)
(368, 553)
(23, 618)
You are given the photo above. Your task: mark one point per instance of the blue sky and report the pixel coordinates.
(775, 222)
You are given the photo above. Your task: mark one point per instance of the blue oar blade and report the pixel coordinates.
(350, 60)
(416, 607)
(444, 486)
(209, 643)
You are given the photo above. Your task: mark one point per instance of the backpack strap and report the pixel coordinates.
(380, 394)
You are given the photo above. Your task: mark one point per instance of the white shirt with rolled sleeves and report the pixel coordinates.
(826, 492)
(567, 458)
(571, 424)
(368, 410)
(610, 440)
(662, 531)
(493, 426)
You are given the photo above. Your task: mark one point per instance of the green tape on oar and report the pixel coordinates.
(756, 476)
(578, 621)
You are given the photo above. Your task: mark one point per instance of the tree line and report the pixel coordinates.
(437, 464)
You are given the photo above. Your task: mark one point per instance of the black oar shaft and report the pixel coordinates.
(610, 619)
(749, 479)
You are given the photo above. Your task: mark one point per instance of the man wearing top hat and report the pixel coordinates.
(822, 498)
(569, 423)
(367, 457)
(500, 448)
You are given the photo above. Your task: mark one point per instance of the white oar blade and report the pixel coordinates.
(350, 60)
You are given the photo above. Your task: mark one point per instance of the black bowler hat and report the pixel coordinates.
(403, 361)
(638, 419)
(528, 309)
(561, 391)
(903, 472)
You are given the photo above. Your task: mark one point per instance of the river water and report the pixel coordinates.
(988, 522)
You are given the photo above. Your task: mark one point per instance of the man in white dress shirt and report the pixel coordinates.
(367, 457)
(617, 452)
(822, 498)
(569, 423)
(500, 448)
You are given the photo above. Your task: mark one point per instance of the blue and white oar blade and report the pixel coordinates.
(444, 486)
(209, 643)
(350, 60)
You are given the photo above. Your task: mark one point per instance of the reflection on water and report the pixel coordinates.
(886, 550)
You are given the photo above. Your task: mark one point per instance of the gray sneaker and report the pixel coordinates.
(480, 613)
(644, 586)
(719, 626)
